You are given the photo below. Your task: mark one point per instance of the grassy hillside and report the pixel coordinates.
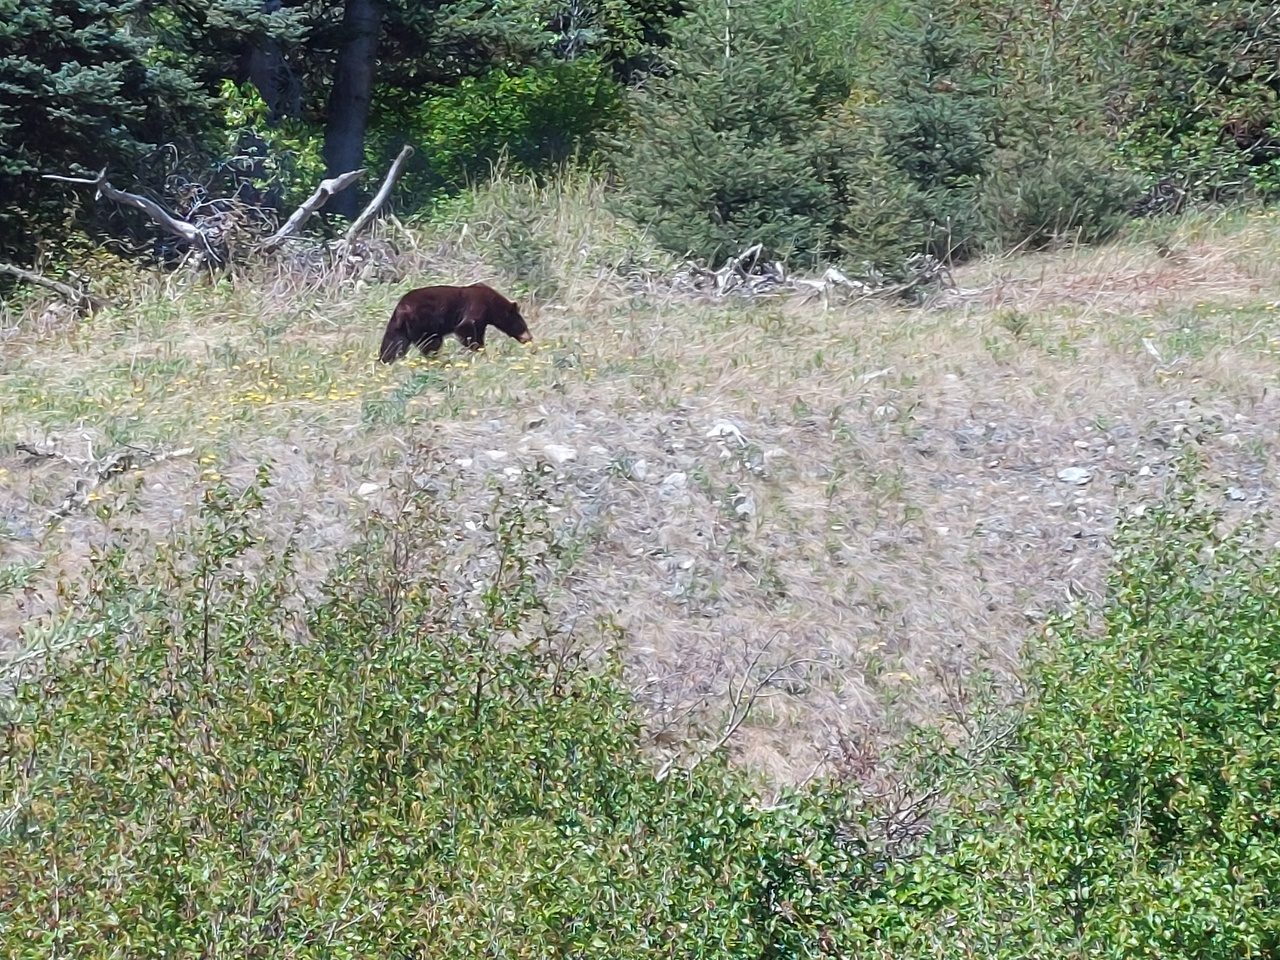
(863, 503)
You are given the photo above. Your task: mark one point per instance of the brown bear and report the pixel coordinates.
(424, 317)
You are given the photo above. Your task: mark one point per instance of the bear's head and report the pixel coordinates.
(510, 322)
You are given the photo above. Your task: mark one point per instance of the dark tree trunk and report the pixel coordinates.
(350, 97)
(263, 64)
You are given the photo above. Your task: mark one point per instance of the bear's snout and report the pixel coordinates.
(525, 337)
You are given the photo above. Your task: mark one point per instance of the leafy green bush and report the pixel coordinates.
(404, 764)
(1200, 100)
(282, 158)
(1139, 813)
(529, 118)
(216, 759)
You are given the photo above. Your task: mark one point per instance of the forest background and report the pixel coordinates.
(827, 131)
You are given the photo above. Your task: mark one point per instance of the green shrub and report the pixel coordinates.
(719, 156)
(1199, 100)
(877, 223)
(406, 763)
(528, 118)
(1051, 182)
(281, 158)
(1139, 815)
(937, 115)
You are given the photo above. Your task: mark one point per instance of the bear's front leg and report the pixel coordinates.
(471, 335)
(430, 345)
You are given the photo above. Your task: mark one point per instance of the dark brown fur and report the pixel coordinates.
(424, 317)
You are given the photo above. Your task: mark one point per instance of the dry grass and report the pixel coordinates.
(868, 491)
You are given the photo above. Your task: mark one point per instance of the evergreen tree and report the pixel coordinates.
(87, 84)
(937, 115)
(749, 140)
(721, 153)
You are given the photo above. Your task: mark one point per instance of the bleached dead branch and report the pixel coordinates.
(747, 275)
(78, 298)
(98, 471)
(166, 220)
(384, 191)
(313, 203)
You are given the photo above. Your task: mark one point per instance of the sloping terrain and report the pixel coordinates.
(863, 503)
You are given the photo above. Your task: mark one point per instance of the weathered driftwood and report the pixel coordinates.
(166, 220)
(78, 298)
(746, 275)
(212, 239)
(384, 191)
(317, 200)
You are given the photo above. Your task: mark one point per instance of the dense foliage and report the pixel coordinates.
(393, 768)
(217, 761)
(1142, 816)
(85, 86)
(936, 142)
(858, 132)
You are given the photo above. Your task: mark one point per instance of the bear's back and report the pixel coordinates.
(447, 305)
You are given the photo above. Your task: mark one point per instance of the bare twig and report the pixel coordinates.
(742, 700)
(317, 200)
(77, 298)
(380, 197)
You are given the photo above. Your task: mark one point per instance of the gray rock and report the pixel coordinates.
(672, 484)
(1075, 475)
(727, 431)
(559, 454)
